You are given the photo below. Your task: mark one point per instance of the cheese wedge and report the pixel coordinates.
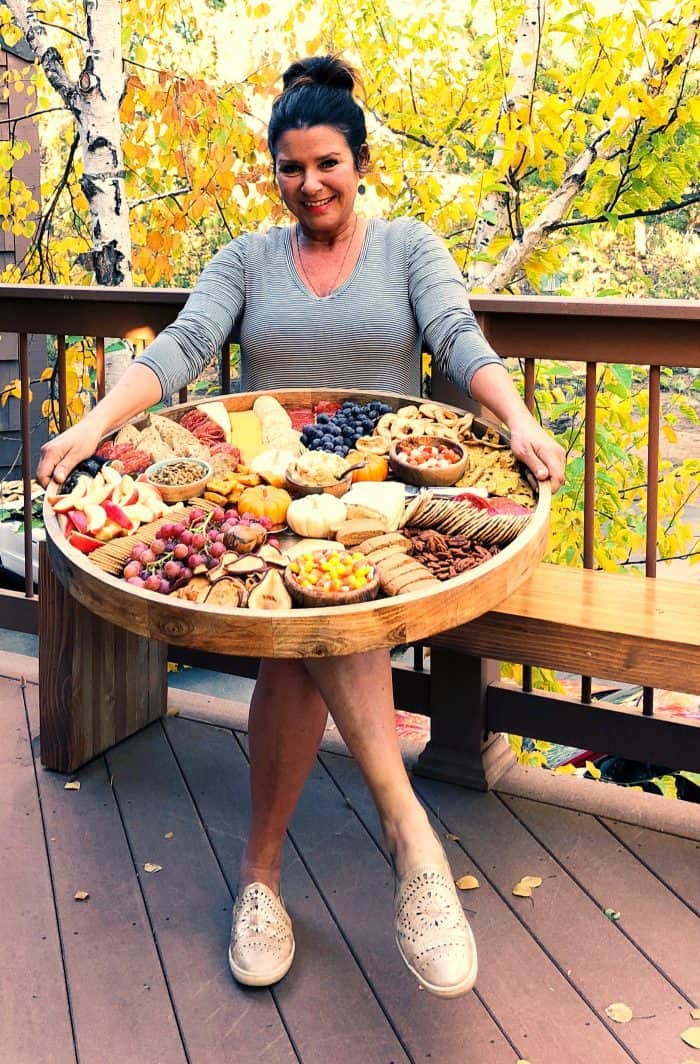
(246, 434)
(371, 499)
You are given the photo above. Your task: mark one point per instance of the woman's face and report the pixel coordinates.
(317, 178)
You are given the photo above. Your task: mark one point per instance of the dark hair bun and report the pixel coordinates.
(327, 70)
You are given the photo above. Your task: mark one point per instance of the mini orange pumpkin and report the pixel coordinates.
(265, 501)
(376, 466)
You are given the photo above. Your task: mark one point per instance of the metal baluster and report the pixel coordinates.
(62, 385)
(652, 514)
(26, 436)
(589, 489)
(100, 366)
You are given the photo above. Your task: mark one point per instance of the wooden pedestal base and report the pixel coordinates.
(98, 684)
(459, 750)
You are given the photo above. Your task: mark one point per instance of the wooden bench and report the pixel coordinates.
(623, 627)
(618, 626)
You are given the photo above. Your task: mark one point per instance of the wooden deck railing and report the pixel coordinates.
(645, 333)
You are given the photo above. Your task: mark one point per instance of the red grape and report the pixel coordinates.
(196, 559)
(186, 537)
(217, 549)
(177, 529)
(171, 570)
(217, 515)
(180, 551)
(147, 557)
(157, 546)
(152, 582)
(137, 550)
(135, 581)
(164, 587)
(132, 568)
(199, 540)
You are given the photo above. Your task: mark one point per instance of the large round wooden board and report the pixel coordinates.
(301, 633)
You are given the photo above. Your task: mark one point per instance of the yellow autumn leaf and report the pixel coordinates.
(620, 1013)
(593, 770)
(691, 1037)
(467, 883)
(46, 374)
(451, 837)
(81, 895)
(148, 867)
(525, 886)
(72, 785)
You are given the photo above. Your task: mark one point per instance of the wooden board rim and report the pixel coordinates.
(309, 632)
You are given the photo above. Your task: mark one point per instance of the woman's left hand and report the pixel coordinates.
(538, 450)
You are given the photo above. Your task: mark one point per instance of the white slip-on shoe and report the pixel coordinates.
(262, 942)
(432, 933)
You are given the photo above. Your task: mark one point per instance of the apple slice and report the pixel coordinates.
(150, 496)
(99, 490)
(125, 492)
(138, 513)
(111, 475)
(83, 543)
(79, 520)
(117, 514)
(75, 498)
(95, 516)
(109, 530)
(65, 523)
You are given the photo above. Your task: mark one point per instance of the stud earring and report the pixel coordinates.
(361, 189)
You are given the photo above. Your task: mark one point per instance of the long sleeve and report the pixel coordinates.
(441, 306)
(181, 351)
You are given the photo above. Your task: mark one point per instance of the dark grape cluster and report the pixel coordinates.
(181, 547)
(340, 432)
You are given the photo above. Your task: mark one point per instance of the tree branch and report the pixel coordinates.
(161, 195)
(641, 213)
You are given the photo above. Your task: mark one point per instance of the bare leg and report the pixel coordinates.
(287, 718)
(358, 691)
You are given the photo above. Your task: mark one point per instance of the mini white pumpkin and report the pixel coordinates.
(316, 515)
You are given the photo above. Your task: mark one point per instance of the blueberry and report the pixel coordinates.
(322, 419)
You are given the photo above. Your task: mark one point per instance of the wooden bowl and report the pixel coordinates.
(427, 478)
(179, 492)
(337, 487)
(311, 597)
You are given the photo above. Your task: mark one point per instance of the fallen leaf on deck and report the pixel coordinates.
(169, 835)
(72, 785)
(619, 1012)
(691, 1037)
(612, 914)
(81, 895)
(695, 1014)
(148, 867)
(524, 887)
(467, 883)
(172, 712)
(451, 837)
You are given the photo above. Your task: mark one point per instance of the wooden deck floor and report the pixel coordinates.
(138, 973)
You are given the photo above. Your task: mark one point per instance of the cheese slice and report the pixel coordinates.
(368, 499)
(246, 434)
(218, 413)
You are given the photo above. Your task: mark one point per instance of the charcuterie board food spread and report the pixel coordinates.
(292, 502)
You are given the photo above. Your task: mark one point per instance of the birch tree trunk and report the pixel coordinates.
(93, 100)
(523, 70)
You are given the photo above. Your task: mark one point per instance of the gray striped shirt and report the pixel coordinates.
(404, 295)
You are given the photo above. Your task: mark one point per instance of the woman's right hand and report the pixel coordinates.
(62, 453)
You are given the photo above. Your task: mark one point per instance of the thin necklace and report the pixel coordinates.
(335, 279)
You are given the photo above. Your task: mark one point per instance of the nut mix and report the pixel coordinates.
(177, 473)
(447, 556)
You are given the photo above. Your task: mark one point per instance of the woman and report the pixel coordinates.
(336, 301)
